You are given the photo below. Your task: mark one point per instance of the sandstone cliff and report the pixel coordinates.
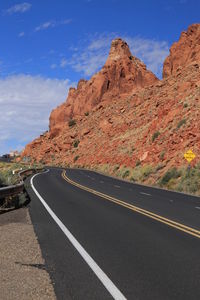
(184, 52)
(132, 117)
(121, 74)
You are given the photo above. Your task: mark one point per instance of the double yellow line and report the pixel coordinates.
(144, 212)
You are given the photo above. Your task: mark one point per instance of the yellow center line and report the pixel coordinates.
(134, 208)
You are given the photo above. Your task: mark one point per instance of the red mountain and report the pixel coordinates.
(125, 116)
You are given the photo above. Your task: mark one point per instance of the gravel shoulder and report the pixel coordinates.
(22, 268)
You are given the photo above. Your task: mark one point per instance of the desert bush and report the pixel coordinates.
(180, 123)
(87, 113)
(135, 176)
(173, 173)
(140, 173)
(146, 171)
(72, 122)
(155, 135)
(162, 154)
(190, 180)
(76, 143)
(76, 158)
(6, 175)
(126, 173)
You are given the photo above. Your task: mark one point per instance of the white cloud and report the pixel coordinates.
(18, 8)
(64, 22)
(151, 52)
(52, 24)
(53, 66)
(26, 102)
(21, 34)
(63, 63)
(45, 25)
(92, 56)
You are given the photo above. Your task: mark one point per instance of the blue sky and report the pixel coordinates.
(47, 46)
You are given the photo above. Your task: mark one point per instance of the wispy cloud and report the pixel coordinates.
(91, 56)
(26, 102)
(52, 24)
(63, 63)
(21, 34)
(53, 66)
(45, 25)
(18, 8)
(64, 22)
(151, 52)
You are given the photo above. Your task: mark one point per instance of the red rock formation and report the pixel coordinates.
(184, 52)
(128, 107)
(121, 74)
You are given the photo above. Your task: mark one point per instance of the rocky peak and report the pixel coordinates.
(119, 49)
(121, 75)
(184, 52)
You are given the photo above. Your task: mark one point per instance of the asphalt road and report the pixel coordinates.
(100, 248)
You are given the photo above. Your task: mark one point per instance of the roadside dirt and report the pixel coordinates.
(22, 268)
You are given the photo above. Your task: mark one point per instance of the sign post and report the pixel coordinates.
(189, 156)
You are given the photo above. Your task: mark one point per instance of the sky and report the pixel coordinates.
(49, 45)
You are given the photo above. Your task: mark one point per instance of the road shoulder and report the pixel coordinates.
(23, 274)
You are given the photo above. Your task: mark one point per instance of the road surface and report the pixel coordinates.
(103, 238)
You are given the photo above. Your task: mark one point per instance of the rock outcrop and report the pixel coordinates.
(184, 52)
(125, 115)
(121, 74)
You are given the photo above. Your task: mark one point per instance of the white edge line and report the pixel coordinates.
(145, 194)
(108, 284)
(197, 207)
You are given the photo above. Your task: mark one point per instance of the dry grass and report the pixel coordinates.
(181, 179)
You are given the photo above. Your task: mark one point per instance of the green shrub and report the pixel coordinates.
(146, 171)
(173, 173)
(76, 158)
(72, 122)
(190, 180)
(141, 173)
(87, 113)
(180, 123)
(133, 179)
(126, 173)
(162, 154)
(185, 105)
(76, 143)
(155, 135)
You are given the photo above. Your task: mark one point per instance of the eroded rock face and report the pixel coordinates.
(127, 106)
(121, 74)
(184, 52)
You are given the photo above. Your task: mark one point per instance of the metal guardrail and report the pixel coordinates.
(14, 190)
(11, 190)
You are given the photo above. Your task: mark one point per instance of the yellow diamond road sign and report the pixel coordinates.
(189, 155)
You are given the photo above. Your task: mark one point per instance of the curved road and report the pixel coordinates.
(103, 238)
